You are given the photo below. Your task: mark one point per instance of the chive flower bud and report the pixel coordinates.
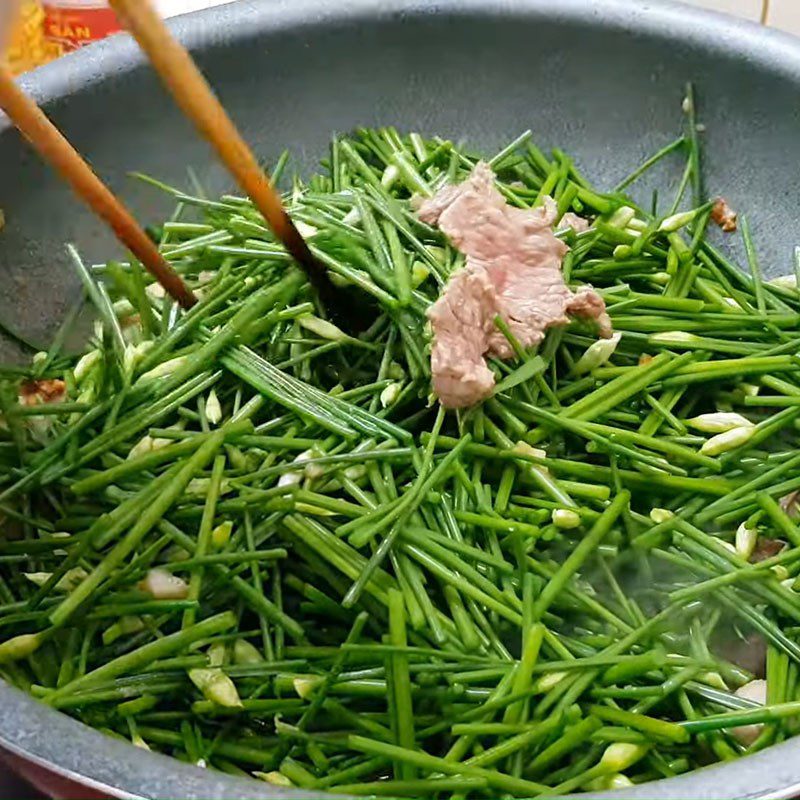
(548, 681)
(390, 394)
(566, 518)
(746, 539)
(390, 176)
(619, 756)
(216, 686)
(677, 221)
(730, 440)
(19, 647)
(213, 408)
(221, 535)
(719, 422)
(673, 337)
(86, 365)
(217, 654)
(419, 273)
(305, 230)
(322, 328)
(597, 354)
(66, 583)
(245, 653)
(622, 217)
(784, 281)
(164, 369)
(275, 778)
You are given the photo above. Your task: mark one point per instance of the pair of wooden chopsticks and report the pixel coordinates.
(195, 97)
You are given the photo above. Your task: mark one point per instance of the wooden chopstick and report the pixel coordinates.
(195, 97)
(55, 149)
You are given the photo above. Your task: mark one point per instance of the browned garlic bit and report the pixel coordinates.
(513, 269)
(724, 216)
(46, 390)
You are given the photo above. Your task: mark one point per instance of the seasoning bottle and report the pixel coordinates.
(70, 24)
(27, 46)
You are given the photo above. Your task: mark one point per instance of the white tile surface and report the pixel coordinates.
(750, 9)
(783, 14)
(171, 8)
(786, 14)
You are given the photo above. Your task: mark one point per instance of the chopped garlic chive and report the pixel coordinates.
(746, 539)
(322, 328)
(597, 354)
(566, 518)
(659, 515)
(216, 686)
(213, 408)
(719, 422)
(729, 440)
(163, 369)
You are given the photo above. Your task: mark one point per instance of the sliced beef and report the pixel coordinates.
(513, 268)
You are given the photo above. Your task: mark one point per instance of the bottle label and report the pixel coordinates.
(74, 27)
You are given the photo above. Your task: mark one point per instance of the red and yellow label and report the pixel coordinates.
(74, 27)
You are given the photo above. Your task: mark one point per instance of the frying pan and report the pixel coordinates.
(603, 79)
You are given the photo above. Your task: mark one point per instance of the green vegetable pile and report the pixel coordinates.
(252, 540)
